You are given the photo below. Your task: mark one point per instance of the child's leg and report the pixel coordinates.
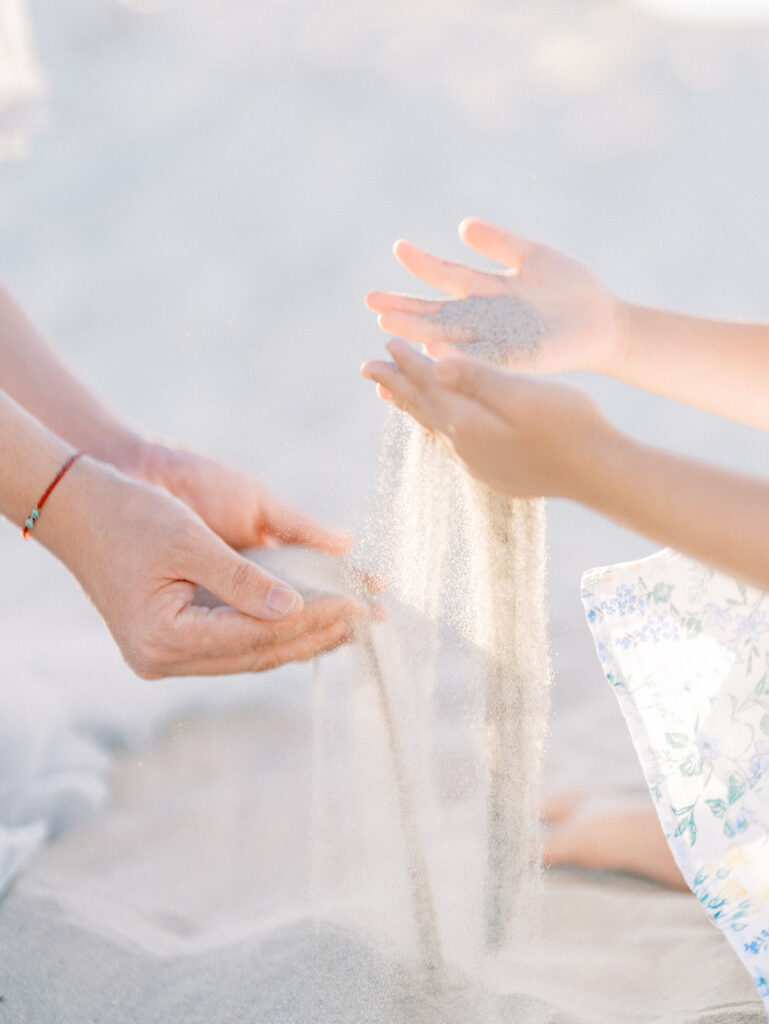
(627, 838)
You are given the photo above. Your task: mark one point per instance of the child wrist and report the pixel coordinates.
(623, 334)
(600, 466)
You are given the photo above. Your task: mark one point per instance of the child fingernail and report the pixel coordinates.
(446, 372)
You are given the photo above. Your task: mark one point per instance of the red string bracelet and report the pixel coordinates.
(34, 515)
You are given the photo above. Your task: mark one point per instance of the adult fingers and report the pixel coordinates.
(423, 331)
(453, 278)
(238, 582)
(219, 634)
(380, 302)
(495, 243)
(293, 526)
(362, 581)
(301, 648)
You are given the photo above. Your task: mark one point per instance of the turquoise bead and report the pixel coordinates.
(34, 513)
(30, 523)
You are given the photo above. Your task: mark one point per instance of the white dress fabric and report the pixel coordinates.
(21, 82)
(686, 650)
(52, 774)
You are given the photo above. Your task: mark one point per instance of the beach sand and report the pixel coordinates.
(187, 901)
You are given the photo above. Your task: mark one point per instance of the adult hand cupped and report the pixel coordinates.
(140, 554)
(237, 506)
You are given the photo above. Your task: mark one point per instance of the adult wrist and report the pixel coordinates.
(79, 509)
(126, 451)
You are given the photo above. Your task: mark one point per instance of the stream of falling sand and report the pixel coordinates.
(458, 554)
(465, 546)
(420, 888)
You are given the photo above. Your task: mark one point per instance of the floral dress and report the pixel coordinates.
(686, 649)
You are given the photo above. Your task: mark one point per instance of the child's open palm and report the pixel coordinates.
(579, 320)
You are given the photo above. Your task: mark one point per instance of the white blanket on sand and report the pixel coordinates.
(52, 775)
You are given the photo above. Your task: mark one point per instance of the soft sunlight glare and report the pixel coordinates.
(710, 10)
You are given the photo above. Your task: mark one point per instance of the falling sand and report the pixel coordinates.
(463, 554)
(424, 785)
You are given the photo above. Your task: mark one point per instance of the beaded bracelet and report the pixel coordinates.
(34, 515)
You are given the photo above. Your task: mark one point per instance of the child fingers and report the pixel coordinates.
(418, 368)
(397, 386)
(453, 278)
(494, 242)
(381, 302)
(440, 349)
(490, 386)
(422, 330)
(407, 394)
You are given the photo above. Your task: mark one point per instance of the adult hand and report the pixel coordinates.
(140, 554)
(520, 436)
(236, 506)
(580, 323)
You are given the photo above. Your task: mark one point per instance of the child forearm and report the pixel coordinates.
(717, 366)
(714, 515)
(527, 437)
(32, 374)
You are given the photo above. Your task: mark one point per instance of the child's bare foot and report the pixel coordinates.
(623, 838)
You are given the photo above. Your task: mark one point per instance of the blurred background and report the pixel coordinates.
(220, 183)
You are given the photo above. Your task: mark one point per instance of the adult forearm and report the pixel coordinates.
(714, 515)
(30, 456)
(33, 375)
(717, 366)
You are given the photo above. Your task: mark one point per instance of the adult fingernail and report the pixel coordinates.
(282, 600)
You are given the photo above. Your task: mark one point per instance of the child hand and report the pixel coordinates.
(519, 436)
(578, 324)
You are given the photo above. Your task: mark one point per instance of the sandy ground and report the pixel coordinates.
(221, 183)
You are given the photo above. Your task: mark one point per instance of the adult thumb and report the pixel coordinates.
(244, 585)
